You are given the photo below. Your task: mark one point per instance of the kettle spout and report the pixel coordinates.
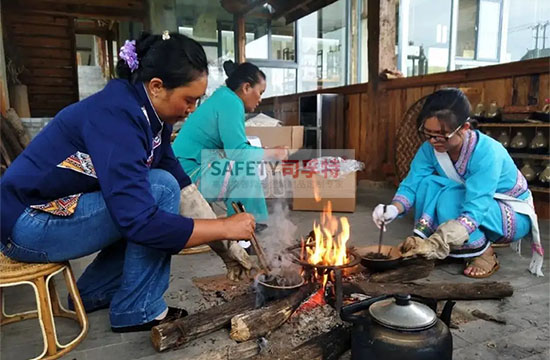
(446, 312)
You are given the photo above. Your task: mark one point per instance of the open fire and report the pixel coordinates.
(326, 245)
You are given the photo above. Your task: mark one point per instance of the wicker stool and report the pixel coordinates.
(39, 276)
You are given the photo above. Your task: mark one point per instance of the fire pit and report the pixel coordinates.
(323, 254)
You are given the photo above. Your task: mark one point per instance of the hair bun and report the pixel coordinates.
(229, 67)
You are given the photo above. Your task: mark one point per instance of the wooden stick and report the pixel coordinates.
(254, 238)
(181, 331)
(482, 290)
(254, 241)
(258, 322)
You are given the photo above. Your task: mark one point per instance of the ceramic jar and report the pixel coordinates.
(479, 110)
(544, 176)
(493, 109)
(504, 138)
(519, 141)
(528, 172)
(539, 142)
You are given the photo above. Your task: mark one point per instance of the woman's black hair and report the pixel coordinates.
(242, 73)
(450, 106)
(176, 61)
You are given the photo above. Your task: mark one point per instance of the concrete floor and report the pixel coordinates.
(525, 336)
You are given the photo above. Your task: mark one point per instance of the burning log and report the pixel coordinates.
(443, 291)
(258, 322)
(245, 350)
(181, 331)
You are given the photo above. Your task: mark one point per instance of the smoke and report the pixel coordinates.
(277, 238)
(279, 235)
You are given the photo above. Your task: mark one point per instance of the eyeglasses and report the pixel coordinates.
(437, 138)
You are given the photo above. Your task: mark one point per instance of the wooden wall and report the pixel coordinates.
(521, 83)
(46, 46)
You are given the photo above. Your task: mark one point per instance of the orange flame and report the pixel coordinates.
(316, 194)
(328, 246)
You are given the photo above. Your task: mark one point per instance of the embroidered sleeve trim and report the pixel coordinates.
(403, 201)
(468, 222)
(519, 188)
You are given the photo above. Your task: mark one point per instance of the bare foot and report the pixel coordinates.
(483, 265)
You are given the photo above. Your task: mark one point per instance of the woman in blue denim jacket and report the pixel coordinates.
(101, 176)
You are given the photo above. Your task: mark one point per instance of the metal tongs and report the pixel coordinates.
(239, 208)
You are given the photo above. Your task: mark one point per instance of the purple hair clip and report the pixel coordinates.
(129, 55)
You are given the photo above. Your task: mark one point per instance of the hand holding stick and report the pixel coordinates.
(259, 251)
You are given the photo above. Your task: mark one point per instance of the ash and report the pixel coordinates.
(307, 325)
(299, 329)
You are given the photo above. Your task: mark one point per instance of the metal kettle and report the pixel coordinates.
(396, 327)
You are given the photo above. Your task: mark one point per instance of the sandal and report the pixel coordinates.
(482, 262)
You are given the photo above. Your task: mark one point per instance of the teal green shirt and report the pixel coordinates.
(218, 124)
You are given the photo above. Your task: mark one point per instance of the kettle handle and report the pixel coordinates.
(347, 312)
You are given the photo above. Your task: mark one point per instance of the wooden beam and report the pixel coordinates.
(381, 40)
(238, 7)
(4, 97)
(518, 68)
(240, 39)
(78, 9)
(381, 53)
(302, 11)
(297, 5)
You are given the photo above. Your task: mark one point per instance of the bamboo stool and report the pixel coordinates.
(40, 277)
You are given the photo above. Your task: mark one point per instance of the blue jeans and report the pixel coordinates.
(129, 277)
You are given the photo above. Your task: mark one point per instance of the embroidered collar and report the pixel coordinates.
(149, 104)
(470, 141)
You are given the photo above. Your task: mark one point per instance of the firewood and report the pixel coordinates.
(411, 270)
(327, 346)
(259, 322)
(20, 131)
(482, 290)
(244, 350)
(181, 331)
(9, 140)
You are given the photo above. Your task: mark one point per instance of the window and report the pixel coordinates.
(424, 43)
(322, 48)
(470, 33)
(478, 33)
(283, 41)
(280, 81)
(257, 39)
(527, 31)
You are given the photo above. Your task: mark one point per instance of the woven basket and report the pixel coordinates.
(408, 141)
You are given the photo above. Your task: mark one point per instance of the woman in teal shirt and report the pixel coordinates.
(212, 146)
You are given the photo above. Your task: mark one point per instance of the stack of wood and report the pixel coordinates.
(14, 138)
(250, 326)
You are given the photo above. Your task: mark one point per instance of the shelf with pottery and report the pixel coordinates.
(539, 189)
(529, 149)
(530, 156)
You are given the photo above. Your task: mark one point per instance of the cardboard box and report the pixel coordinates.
(291, 136)
(341, 192)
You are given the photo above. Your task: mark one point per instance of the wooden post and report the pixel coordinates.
(381, 41)
(381, 54)
(111, 56)
(4, 98)
(240, 38)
